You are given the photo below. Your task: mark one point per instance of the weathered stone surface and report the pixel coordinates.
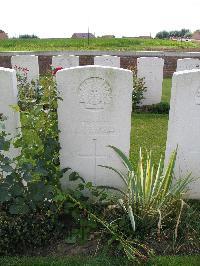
(26, 65)
(151, 68)
(95, 112)
(184, 127)
(188, 64)
(65, 61)
(107, 60)
(8, 97)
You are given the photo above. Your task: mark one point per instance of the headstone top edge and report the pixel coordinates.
(7, 70)
(25, 56)
(107, 55)
(94, 67)
(150, 57)
(186, 72)
(188, 58)
(66, 55)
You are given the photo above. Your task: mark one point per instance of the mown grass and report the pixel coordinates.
(149, 131)
(118, 44)
(97, 261)
(166, 93)
(175, 261)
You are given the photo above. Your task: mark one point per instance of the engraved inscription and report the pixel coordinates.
(94, 93)
(96, 128)
(197, 96)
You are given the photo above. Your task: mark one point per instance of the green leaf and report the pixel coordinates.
(4, 195)
(74, 176)
(7, 168)
(59, 197)
(88, 185)
(9, 179)
(116, 171)
(16, 189)
(19, 208)
(4, 192)
(124, 158)
(4, 145)
(27, 177)
(38, 191)
(112, 188)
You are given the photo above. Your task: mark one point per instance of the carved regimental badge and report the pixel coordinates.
(109, 62)
(94, 93)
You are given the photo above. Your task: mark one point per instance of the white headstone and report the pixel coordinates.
(65, 61)
(107, 60)
(26, 65)
(8, 98)
(184, 126)
(151, 68)
(95, 112)
(188, 64)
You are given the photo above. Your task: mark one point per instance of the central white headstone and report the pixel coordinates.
(188, 64)
(95, 112)
(65, 61)
(26, 65)
(8, 98)
(151, 68)
(184, 127)
(107, 60)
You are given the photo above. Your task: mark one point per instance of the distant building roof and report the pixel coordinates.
(108, 36)
(145, 37)
(196, 35)
(83, 35)
(137, 37)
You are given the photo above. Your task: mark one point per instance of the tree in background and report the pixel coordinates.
(162, 34)
(28, 36)
(183, 33)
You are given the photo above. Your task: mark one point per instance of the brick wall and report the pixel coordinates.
(5, 61)
(86, 60)
(127, 59)
(44, 63)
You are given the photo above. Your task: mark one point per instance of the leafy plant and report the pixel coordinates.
(24, 232)
(149, 192)
(138, 89)
(132, 248)
(31, 179)
(159, 108)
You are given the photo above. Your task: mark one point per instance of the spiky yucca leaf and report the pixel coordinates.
(148, 189)
(124, 158)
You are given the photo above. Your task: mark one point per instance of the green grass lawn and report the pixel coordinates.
(149, 131)
(166, 93)
(118, 44)
(97, 261)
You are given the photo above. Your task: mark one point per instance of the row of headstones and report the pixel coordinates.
(150, 68)
(91, 116)
(96, 112)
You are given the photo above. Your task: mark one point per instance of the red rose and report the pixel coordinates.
(55, 70)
